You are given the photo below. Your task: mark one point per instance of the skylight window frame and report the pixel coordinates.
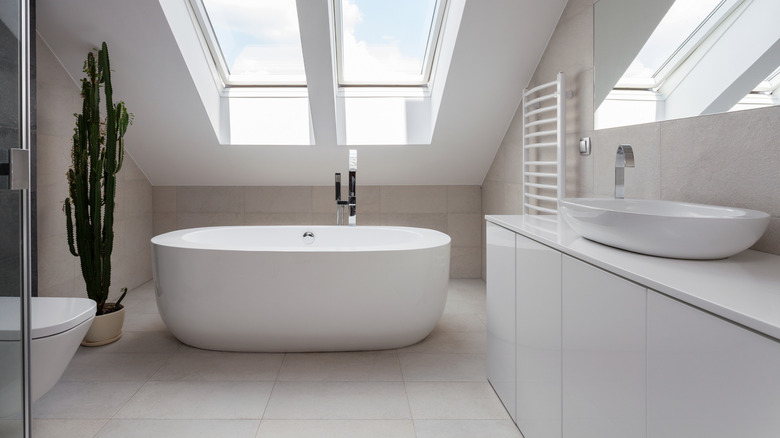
(725, 11)
(429, 60)
(203, 22)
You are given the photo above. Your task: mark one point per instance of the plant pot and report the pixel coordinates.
(105, 329)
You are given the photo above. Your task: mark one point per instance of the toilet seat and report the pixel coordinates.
(49, 316)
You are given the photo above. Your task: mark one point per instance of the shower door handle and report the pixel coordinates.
(17, 169)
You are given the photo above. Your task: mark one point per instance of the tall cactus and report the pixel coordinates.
(98, 150)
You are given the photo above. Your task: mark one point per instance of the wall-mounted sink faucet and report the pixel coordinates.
(624, 158)
(351, 201)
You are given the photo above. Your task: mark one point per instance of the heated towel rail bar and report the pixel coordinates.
(544, 155)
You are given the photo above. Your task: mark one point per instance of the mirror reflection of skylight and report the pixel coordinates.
(684, 22)
(258, 41)
(387, 42)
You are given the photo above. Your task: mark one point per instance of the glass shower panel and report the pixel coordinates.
(11, 216)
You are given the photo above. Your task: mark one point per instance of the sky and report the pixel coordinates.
(381, 39)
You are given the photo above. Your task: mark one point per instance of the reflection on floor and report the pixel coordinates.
(148, 384)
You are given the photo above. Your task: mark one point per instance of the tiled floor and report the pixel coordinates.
(148, 384)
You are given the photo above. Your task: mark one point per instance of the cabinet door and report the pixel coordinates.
(501, 313)
(538, 288)
(707, 377)
(603, 353)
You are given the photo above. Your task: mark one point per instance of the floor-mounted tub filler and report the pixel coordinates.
(301, 288)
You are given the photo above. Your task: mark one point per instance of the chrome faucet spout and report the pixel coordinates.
(352, 199)
(624, 158)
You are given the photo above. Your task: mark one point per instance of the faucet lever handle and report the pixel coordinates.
(338, 186)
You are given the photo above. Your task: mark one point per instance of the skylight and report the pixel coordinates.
(253, 42)
(387, 42)
(683, 28)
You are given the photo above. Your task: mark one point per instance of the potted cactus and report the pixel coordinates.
(98, 149)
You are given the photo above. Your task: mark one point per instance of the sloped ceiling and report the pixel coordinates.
(498, 46)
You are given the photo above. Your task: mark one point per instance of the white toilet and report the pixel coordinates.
(58, 325)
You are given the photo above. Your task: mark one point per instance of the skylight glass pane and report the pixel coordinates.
(679, 23)
(387, 42)
(259, 40)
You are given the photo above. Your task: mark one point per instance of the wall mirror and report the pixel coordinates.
(668, 59)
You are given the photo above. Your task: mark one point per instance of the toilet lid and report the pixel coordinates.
(50, 315)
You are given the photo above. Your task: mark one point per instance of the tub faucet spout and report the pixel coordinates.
(624, 158)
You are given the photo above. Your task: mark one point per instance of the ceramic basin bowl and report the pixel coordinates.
(665, 228)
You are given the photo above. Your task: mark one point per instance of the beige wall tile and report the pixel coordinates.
(163, 223)
(51, 218)
(464, 199)
(464, 229)
(55, 262)
(433, 221)
(277, 219)
(53, 155)
(138, 233)
(196, 199)
(725, 159)
(277, 199)
(195, 220)
(323, 199)
(413, 199)
(770, 241)
(138, 198)
(465, 262)
(164, 199)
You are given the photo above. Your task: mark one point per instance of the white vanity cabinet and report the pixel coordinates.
(538, 336)
(708, 377)
(603, 319)
(585, 340)
(501, 313)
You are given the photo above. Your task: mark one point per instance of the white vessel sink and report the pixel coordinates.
(665, 228)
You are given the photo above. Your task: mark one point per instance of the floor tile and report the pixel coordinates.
(153, 385)
(133, 428)
(349, 366)
(141, 342)
(466, 429)
(436, 367)
(143, 322)
(336, 429)
(141, 307)
(84, 400)
(454, 400)
(192, 364)
(117, 367)
(450, 342)
(198, 400)
(338, 401)
(57, 428)
(460, 323)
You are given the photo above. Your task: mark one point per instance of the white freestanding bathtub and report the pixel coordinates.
(301, 288)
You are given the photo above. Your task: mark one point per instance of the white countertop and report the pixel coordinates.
(744, 288)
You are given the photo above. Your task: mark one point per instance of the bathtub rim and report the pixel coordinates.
(428, 239)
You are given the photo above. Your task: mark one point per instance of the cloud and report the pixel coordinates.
(375, 61)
